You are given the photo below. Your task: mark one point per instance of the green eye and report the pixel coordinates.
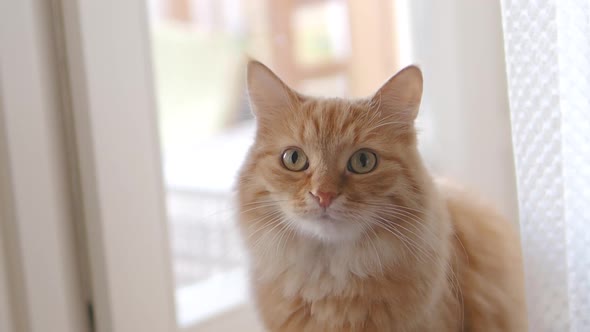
(295, 160)
(362, 162)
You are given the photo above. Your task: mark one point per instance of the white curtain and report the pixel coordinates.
(547, 44)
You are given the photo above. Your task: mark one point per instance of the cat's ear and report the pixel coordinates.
(268, 94)
(401, 95)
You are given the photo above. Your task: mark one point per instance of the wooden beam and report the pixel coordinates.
(374, 56)
(321, 70)
(280, 15)
(179, 10)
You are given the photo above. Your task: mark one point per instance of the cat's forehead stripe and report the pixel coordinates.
(330, 120)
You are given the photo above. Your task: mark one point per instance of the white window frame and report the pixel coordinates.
(117, 148)
(40, 284)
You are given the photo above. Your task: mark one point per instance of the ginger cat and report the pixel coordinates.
(347, 231)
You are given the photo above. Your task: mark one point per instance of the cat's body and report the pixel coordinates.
(368, 242)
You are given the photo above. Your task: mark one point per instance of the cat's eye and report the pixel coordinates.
(362, 162)
(295, 160)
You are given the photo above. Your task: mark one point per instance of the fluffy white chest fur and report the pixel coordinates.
(314, 270)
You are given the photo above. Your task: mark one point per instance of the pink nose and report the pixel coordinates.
(324, 198)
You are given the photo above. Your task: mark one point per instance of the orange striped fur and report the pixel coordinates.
(395, 250)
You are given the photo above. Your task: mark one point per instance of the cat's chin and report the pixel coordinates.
(329, 229)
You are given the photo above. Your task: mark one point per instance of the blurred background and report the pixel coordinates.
(323, 48)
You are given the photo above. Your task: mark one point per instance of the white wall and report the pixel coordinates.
(459, 45)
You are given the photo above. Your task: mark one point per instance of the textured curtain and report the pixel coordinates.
(547, 46)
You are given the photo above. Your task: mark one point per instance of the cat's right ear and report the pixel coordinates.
(267, 93)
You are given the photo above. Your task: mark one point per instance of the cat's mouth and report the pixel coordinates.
(328, 217)
(329, 227)
(325, 215)
(327, 224)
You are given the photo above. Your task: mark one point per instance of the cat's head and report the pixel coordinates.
(331, 169)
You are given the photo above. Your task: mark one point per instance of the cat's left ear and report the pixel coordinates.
(401, 94)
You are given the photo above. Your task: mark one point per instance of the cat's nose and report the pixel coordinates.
(324, 198)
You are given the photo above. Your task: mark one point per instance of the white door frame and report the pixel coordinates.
(40, 285)
(116, 134)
